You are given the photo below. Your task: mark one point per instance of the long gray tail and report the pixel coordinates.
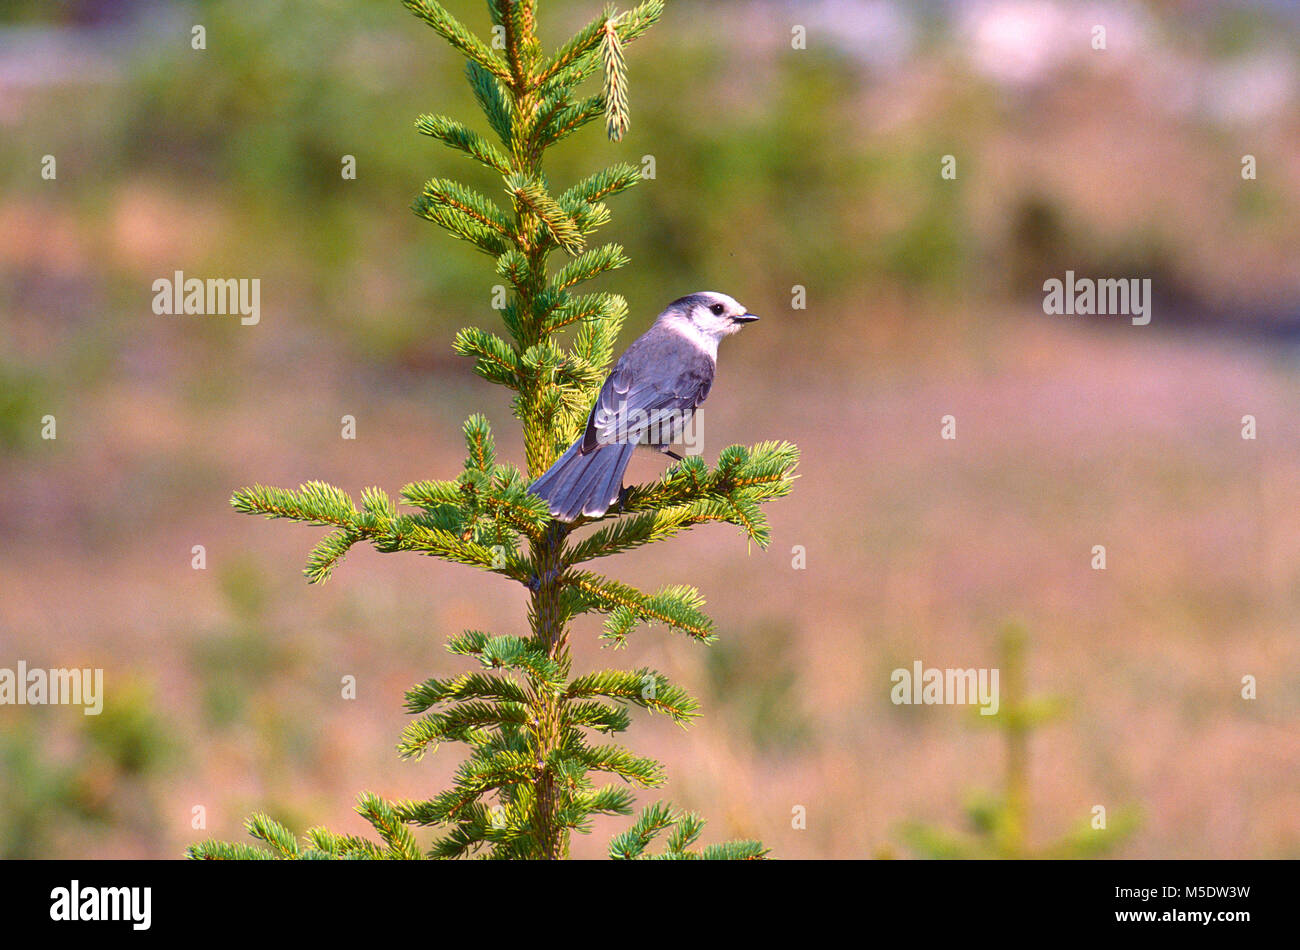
(584, 484)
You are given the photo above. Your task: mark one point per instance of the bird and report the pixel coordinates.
(654, 389)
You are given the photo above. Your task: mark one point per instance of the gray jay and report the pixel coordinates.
(647, 400)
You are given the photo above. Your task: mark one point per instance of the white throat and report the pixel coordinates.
(689, 331)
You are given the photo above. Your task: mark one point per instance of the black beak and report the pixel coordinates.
(745, 318)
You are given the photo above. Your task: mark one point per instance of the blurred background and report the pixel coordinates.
(775, 167)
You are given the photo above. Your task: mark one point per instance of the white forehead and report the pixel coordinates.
(729, 302)
(709, 298)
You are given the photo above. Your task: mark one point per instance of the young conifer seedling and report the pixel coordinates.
(535, 730)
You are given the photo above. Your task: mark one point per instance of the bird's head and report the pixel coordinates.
(709, 314)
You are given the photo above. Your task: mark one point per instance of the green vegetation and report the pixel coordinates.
(999, 823)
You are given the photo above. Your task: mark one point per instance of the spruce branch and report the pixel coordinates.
(631, 843)
(603, 184)
(572, 62)
(517, 18)
(602, 717)
(594, 341)
(685, 833)
(758, 473)
(514, 653)
(495, 359)
(645, 687)
(614, 759)
(624, 534)
(466, 686)
(579, 46)
(280, 838)
(468, 836)
(615, 90)
(465, 213)
(640, 18)
(226, 851)
(686, 828)
(342, 846)
(531, 197)
(455, 33)
(482, 447)
(492, 99)
(462, 723)
(314, 503)
(458, 136)
(323, 558)
(607, 800)
(388, 824)
(566, 119)
(589, 265)
(675, 606)
(597, 310)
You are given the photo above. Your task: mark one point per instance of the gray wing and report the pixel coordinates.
(661, 379)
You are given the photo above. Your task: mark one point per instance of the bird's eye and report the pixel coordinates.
(717, 308)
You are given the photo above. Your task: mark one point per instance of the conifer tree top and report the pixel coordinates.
(535, 730)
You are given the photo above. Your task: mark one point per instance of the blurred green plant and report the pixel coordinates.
(102, 785)
(38, 795)
(999, 823)
(245, 655)
(758, 680)
(22, 395)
